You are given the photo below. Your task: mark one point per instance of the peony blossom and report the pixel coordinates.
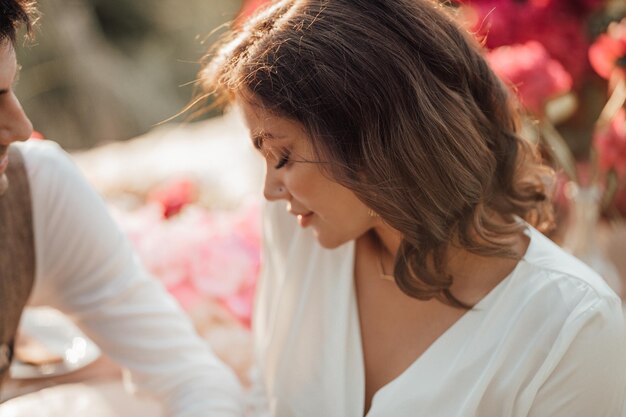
(249, 7)
(608, 52)
(611, 145)
(36, 135)
(580, 5)
(200, 256)
(174, 195)
(619, 201)
(558, 25)
(532, 73)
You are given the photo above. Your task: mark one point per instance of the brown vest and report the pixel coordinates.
(17, 255)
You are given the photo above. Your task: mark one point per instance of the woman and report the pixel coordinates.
(417, 283)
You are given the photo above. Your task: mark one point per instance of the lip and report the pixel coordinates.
(305, 219)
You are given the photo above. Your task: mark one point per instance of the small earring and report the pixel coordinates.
(280, 190)
(372, 213)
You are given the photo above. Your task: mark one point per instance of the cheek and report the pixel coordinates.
(306, 185)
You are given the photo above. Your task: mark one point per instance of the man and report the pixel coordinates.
(59, 247)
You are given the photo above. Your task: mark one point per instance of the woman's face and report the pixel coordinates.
(293, 174)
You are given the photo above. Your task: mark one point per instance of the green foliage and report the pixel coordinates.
(106, 70)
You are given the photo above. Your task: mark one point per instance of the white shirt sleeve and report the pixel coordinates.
(590, 377)
(87, 269)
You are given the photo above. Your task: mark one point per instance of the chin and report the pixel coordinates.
(329, 242)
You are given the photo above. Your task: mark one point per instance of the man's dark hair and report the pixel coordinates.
(13, 15)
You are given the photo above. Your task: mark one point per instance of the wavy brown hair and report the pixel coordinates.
(402, 108)
(15, 14)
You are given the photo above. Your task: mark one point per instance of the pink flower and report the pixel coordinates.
(36, 135)
(583, 6)
(563, 36)
(533, 74)
(241, 303)
(619, 201)
(200, 256)
(558, 25)
(174, 195)
(222, 266)
(186, 295)
(608, 52)
(248, 8)
(611, 145)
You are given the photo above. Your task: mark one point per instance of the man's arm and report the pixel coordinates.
(87, 269)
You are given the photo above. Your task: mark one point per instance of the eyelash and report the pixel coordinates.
(284, 159)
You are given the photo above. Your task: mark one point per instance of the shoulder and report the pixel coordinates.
(549, 266)
(37, 150)
(577, 327)
(553, 314)
(551, 297)
(45, 160)
(58, 188)
(559, 298)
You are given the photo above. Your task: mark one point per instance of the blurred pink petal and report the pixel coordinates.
(174, 195)
(611, 144)
(241, 304)
(200, 255)
(186, 295)
(608, 52)
(532, 73)
(221, 269)
(558, 25)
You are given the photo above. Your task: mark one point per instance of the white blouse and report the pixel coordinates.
(86, 268)
(548, 341)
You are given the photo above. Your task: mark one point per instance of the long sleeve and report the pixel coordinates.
(87, 269)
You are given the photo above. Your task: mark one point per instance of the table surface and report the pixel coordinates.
(96, 390)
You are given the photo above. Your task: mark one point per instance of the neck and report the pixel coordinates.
(390, 239)
(474, 275)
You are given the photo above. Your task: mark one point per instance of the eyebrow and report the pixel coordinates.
(258, 139)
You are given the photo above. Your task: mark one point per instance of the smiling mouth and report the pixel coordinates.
(305, 219)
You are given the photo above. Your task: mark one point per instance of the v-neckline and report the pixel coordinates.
(447, 334)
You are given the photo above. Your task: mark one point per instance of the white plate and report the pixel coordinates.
(59, 335)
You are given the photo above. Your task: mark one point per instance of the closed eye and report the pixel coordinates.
(284, 159)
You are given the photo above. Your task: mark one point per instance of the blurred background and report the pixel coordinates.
(101, 72)
(108, 70)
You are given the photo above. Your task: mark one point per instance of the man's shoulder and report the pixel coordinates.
(37, 151)
(45, 161)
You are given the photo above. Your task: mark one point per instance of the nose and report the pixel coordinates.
(14, 124)
(274, 189)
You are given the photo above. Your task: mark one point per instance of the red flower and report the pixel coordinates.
(36, 135)
(619, 201)
(534, 75)
(611, 145)
(556, 24)
(248, 8)
(583, 6)
(173, 196)
(608, 53)
(563, 36)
